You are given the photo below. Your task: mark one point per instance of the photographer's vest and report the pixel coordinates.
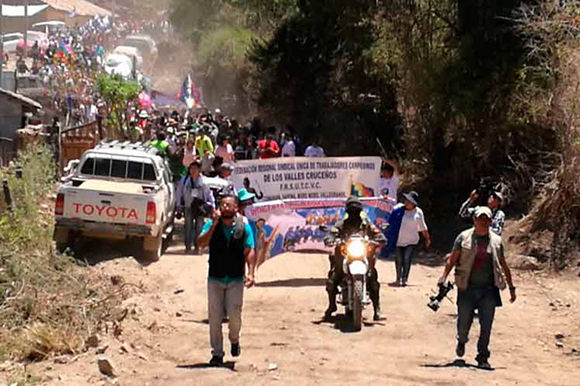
(467, 257)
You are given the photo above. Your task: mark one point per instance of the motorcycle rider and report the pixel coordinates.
(355, 221)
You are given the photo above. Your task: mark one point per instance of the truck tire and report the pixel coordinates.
(152, 247)
(64, 239)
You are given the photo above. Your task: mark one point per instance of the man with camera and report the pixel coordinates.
(480, 266)
(494, 203)
(195, 199)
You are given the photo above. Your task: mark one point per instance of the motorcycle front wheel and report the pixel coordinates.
(357, 305)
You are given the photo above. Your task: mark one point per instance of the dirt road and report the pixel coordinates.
(165, 337)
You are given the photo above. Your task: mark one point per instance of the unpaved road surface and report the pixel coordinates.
(164, 340)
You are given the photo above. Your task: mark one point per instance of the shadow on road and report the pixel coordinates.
(343, 323)
(460, 363)
(204, 365)
(94, 251)
(301, 282)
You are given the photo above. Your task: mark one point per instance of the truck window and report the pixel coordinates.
(149, 172)
(88, 166)
(130, 170)
(119, 168)
(102, 167)
(134, 170)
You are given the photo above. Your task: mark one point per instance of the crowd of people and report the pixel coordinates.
(214, 138)
(68, 61)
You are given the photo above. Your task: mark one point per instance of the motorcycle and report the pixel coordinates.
(357, 251)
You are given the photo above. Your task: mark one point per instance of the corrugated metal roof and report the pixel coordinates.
(21, 98)
(18, 10)
(78, 7)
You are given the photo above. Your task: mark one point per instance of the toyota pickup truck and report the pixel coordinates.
(118, 190)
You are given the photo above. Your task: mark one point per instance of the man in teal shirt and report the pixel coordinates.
(231, 248)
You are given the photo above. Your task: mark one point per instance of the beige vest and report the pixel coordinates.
(467, 257)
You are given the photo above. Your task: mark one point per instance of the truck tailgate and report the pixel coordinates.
(107, 202)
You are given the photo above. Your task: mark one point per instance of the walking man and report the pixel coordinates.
(195, 199)
(480, 266)
(231, 248)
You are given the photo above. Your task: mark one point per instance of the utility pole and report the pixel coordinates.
(26, 29)
(1, 42)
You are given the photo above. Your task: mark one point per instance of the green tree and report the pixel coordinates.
(316, 74)
(118, 95)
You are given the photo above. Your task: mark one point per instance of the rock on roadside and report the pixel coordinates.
(525, 263)
(106, 367)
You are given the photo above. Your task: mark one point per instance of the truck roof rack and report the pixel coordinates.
(121, 145)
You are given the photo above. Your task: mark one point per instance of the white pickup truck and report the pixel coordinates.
(118, 190)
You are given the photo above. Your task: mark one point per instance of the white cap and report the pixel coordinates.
(482, 211)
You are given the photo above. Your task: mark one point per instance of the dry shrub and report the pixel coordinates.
(48, 303)
(557, 208)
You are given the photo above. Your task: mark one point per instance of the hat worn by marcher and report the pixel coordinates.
(244, 195)
(195, 162)
(412, 197)
(227, 166)
(498, 195)
(482, 211)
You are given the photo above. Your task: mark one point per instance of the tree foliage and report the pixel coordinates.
(117, 94)
(454, 85)
(220, 33)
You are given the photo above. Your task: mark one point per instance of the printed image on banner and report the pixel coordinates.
(310, 178)
(294, 225)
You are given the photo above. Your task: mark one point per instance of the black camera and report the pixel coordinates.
(485, 188)
(435, 301)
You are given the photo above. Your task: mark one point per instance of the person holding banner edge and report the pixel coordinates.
(406, 225)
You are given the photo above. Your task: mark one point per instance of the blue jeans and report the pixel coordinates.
(484, 300)
(403, 260)
(193, 226)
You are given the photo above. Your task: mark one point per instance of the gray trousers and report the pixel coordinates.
(224, 298)
(484, 300)
(192, 228)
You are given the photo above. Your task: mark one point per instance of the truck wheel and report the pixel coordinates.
(152, 247)
(64, 239)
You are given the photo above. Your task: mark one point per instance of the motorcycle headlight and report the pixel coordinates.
(356, 249)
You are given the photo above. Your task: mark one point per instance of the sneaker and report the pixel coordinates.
(460, 349)
(216, 361)
(484, 364)
(236, 350)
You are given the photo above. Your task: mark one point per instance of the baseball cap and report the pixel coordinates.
(482, 211)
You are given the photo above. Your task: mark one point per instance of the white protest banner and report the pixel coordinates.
(310, 178)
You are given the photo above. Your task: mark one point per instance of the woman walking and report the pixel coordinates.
(407, 224)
